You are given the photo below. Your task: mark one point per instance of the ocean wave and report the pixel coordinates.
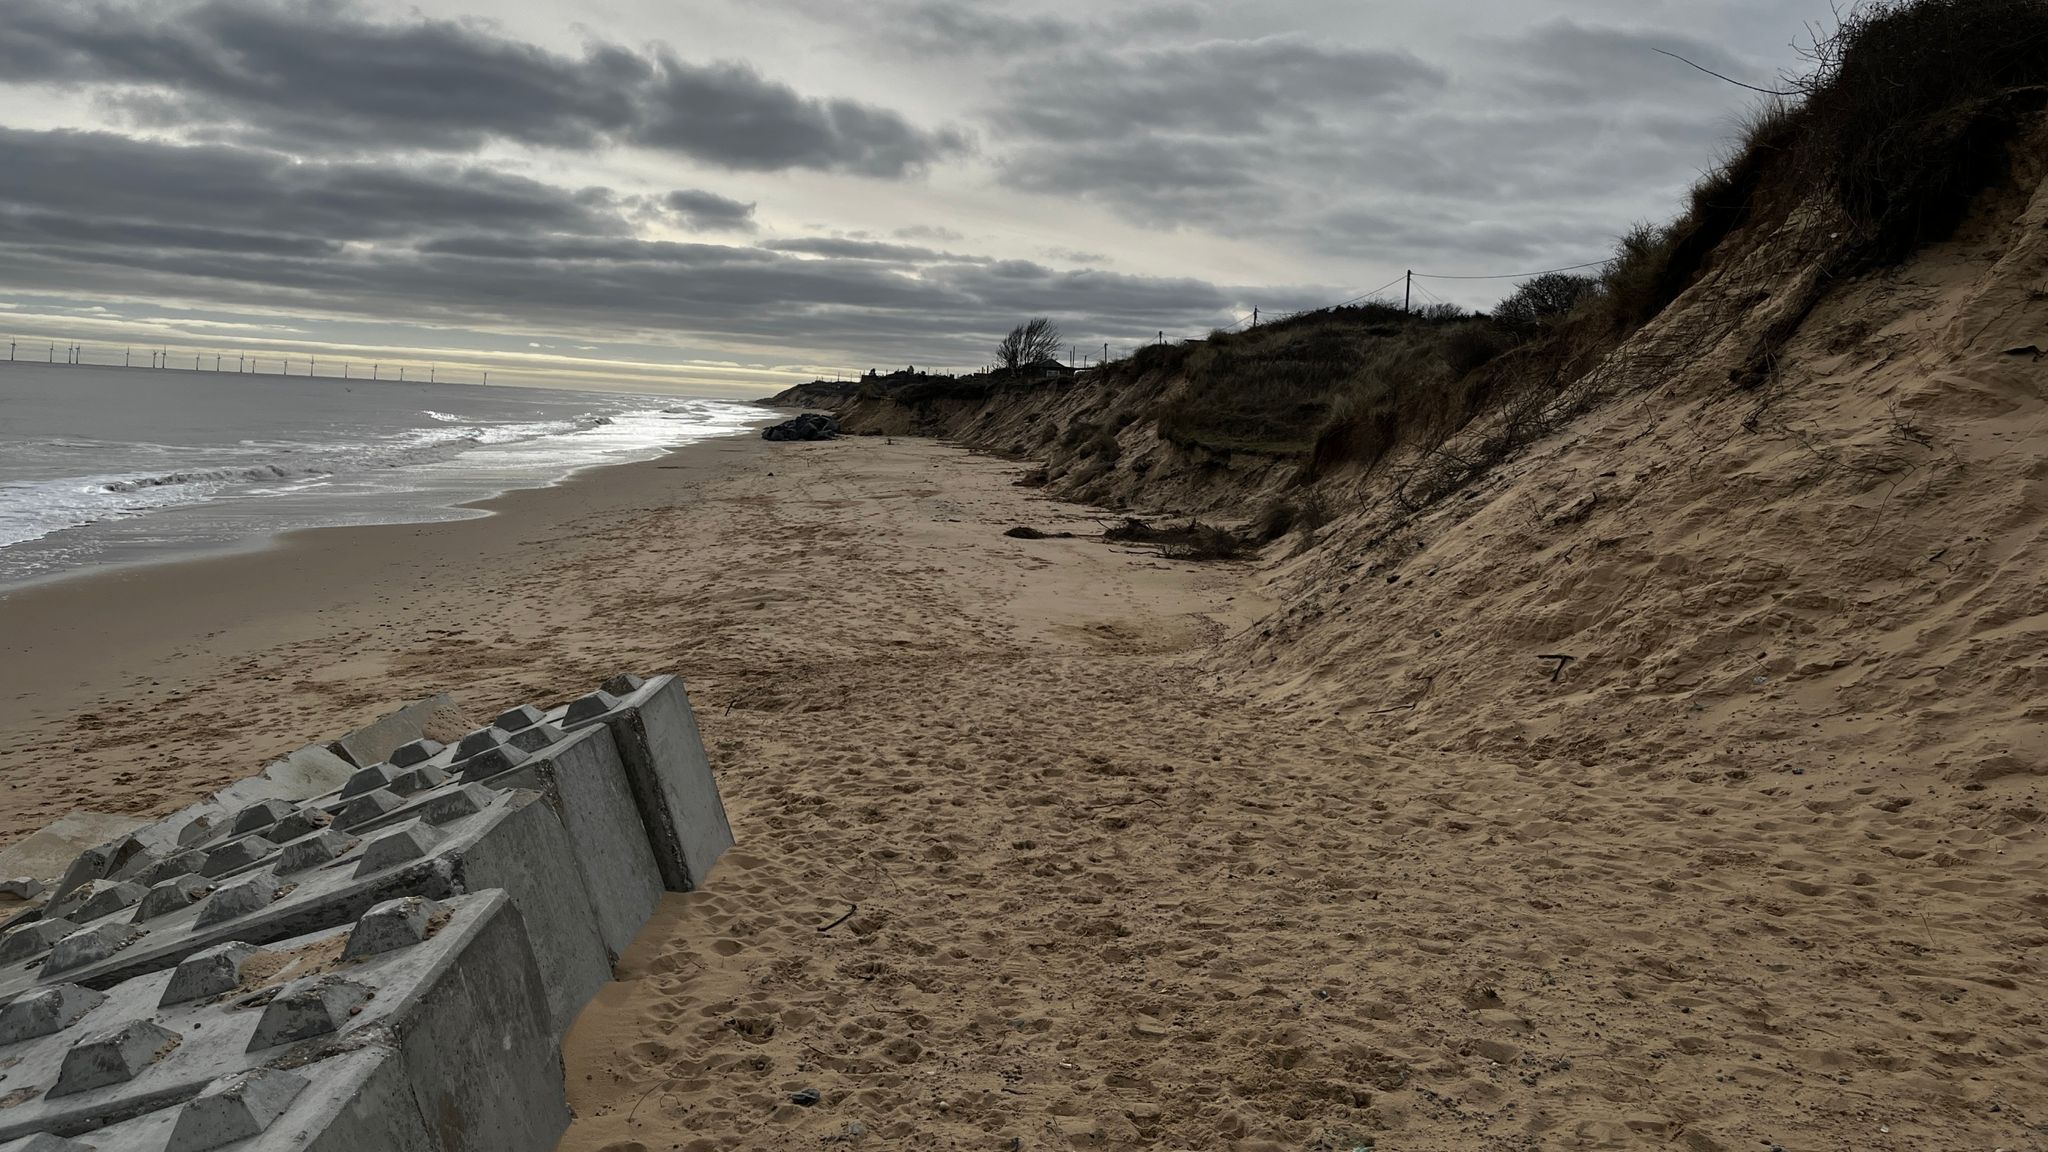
(259, 473)
(35, 508)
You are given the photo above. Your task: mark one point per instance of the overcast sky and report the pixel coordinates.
(732, 194)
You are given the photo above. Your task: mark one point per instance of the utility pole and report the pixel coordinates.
(1408, 293)
(1255, 317)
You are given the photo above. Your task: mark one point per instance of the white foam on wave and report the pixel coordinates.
(536, 452)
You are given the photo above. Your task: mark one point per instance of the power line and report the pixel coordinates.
(1515, 275)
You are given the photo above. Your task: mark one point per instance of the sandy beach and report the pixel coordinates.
(1020, 867)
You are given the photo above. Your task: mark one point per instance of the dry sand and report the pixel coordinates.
(1106, 895)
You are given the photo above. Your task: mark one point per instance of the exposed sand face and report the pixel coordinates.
(1106, 897)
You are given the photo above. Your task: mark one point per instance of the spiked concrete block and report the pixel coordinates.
(43, 1011)
(418, 780)
(493, 761)
(303, 821)
(202, 975)
(369, 780)
(240, 1107)
(663, 753)
(260, 815)
(355, 1102)
(313, 851)
(185, 863)
(244, 897)
(95, 899)
(315, 1006)
(99, 862)
(399, 923)
(33, 939)
(367, 807)
(23, 888)
(111, 898)
(524, 716)
(114, 1056)
(172, 895)
(236, 855)
(480, 740)
(516, 843)
(399, 846)
(444, 1044)
(90, 946)
(415, 753)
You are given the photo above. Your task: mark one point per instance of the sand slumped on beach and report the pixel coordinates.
(1104, 898)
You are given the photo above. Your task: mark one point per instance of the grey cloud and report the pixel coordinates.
(1197, 134)
(317, 75)
(937, 24)
(1542, 144)
(1564, 61)
(854, 249)
(703, 211)
(1158, 181)
(106, 176)
(927, 232)
(349, 242)
(1231, 88)
(992, 28)
(729, 114)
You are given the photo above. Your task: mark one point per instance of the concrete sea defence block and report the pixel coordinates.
(376, 741)
(435, 1033)
(277, 910)
(463, 841)
(658, 741)
(586, 783)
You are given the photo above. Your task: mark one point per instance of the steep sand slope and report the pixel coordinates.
(1840, 570)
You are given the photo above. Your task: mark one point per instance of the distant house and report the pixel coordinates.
(1048, 370)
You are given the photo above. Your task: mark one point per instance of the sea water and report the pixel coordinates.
(103, 466)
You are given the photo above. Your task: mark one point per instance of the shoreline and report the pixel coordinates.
(138, 636)
(164, 533)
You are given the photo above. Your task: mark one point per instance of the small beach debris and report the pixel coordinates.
(806, 1097)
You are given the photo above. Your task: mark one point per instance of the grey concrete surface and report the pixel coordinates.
(456, 1016)
(658, 741)
(377, 740)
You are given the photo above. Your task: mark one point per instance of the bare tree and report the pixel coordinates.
(1542, 299)
(1029, 343)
